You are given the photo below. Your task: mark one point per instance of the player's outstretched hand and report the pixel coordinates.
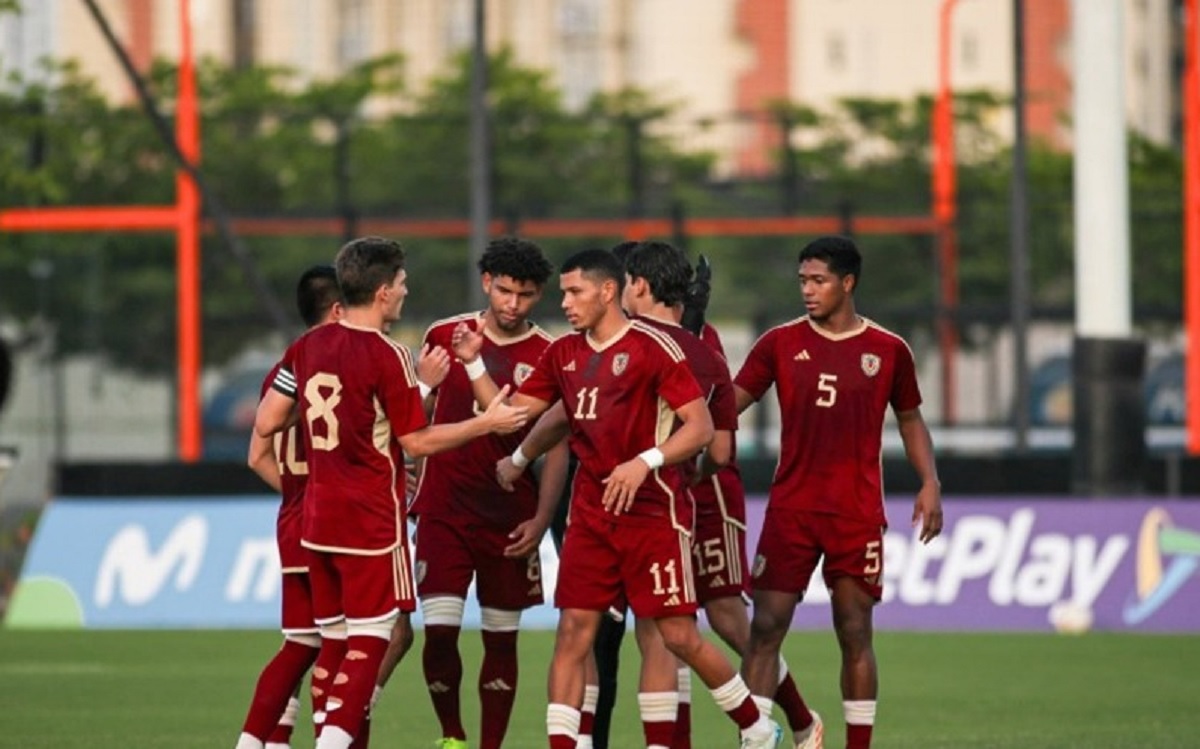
(502, 418)
(507, 473)
(927, 512)
(525, 538)
(433, 365)
(622, 484)
(466, 342)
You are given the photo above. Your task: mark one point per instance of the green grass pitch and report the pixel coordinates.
(101, 689)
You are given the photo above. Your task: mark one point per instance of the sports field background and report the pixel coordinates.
(180, 689)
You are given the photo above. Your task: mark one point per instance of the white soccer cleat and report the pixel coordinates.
(769, 739)
(812, 737)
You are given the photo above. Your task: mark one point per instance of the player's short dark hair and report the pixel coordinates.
(317, 292)
(519, 259)
(365, 264)
(839, 253)
(664, 267)
(622, 249)
(598, 265)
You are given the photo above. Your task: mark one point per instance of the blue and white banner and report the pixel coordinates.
(172, 563)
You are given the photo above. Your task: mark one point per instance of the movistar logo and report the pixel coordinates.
(130, 569)
(1167, 557)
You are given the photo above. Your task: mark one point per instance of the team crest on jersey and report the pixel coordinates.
(620, 361)
(870, 364)
(760, 566)
(521, 373)
(421, 569)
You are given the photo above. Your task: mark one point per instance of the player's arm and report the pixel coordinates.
(717, 455)
(528, 535)
(695, 431)
(550, 430)
(276, 412)
(261, 459)
(499, 417)
(742, 398)
(433, 364)
(467, 344)
(918, 447)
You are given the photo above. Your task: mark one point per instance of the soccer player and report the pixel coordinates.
(656, 283)
(623, 384)
(281, 463)
(835, 374)
(356, 394)
(467, 525)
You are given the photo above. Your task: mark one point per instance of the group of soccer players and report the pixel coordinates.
(647, 410)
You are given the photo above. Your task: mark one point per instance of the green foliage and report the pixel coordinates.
(362, 145)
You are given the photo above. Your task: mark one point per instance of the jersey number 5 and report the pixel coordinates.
(826, 384)
(323, 391)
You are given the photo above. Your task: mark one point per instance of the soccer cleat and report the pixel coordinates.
(769, 739)
(449, 743)
(812, 737)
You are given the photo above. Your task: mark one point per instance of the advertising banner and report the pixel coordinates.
(1004, 564)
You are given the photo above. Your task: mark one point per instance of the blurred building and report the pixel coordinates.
(720, 59)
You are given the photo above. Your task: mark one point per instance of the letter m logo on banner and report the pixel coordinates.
(132, 570)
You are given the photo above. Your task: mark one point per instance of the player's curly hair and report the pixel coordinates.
(519, 259)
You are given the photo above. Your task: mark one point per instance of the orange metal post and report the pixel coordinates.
(945, 211)
(90, 218)
(187, 260)
(1191, 220)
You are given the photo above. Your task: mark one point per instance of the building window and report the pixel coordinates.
(835, 52)
(968, 51)
(354, 32)
(460, 25)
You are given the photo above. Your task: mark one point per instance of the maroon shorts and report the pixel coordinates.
(296, 613)
(449, 554)
(360, 587)
(719, 559)
(792, 543)
(650, 566)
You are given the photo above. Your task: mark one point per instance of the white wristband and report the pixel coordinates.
(653, 457)
(425, 389)
(519, 459)
(475, 368)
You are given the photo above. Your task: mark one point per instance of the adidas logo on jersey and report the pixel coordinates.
(438, 687)
(717, 582)
(536, 590)
(497, 685)
(803, 356)
(672, 601)
(570, 367)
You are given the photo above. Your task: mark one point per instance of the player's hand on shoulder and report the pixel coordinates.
(507, 473)
(433, 365)
(466, 342)
(502, 418)
(622, 484)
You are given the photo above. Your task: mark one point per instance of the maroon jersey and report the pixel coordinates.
(462, 482)
(722, 495)
(620, 397)
(293, 477)
(833, 393)
(357, 393)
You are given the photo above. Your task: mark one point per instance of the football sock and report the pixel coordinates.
(587, 716)
(350, 694)
(658, 718)
(787, 696)
(683, 715)
(281, 734)
(276, 685)
(562, 725)
(333, 650)
(497, 686)
(734, 698)
(443, 676)
(860, 720)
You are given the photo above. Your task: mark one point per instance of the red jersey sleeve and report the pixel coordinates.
(758, 372)
(906, 394)
(400, 395)
(541, 383)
